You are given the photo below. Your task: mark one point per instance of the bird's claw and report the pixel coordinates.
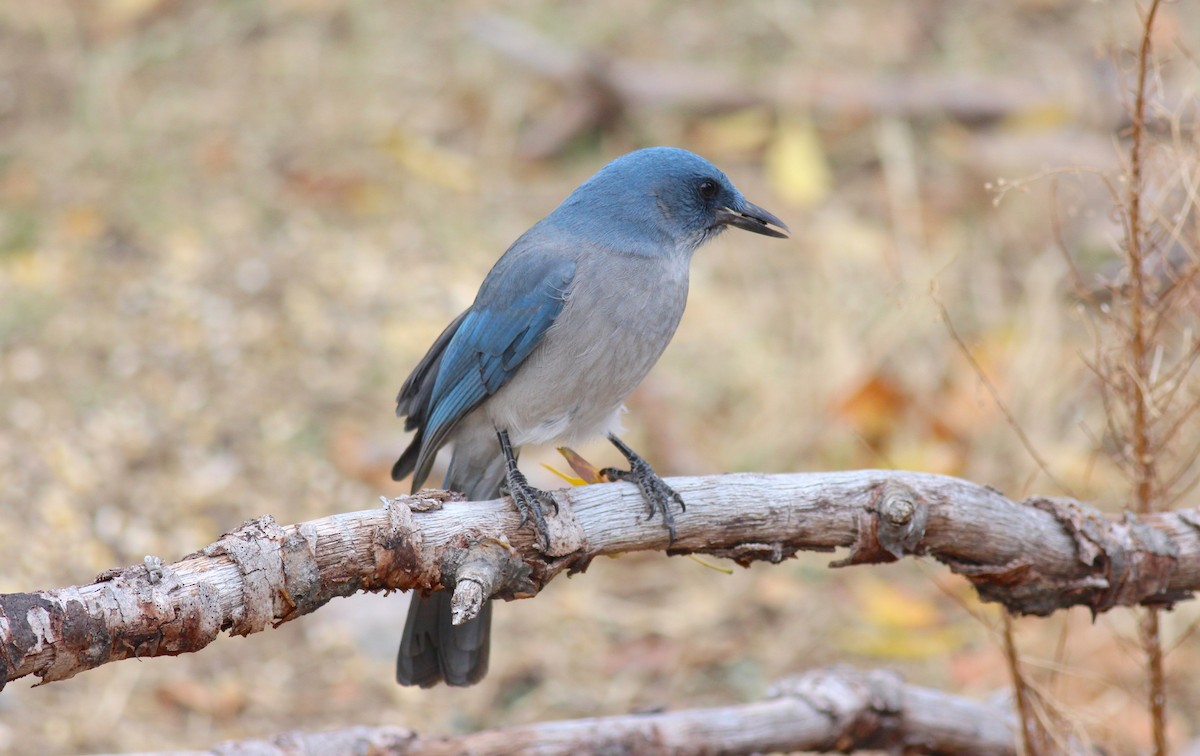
(658, 495)
(530, 502)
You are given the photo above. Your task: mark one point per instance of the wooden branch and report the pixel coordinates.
(1034, 557)
(600, 87)
(836, 709)
(656, 84)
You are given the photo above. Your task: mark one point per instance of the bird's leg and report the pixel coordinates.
(529, 500)
(655, 491)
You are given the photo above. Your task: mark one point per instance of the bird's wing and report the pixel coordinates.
(414, 397)
(516, 305)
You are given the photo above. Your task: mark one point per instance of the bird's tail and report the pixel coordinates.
(433, 649)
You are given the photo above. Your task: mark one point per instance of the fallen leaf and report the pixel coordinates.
(887, 605)
(741, 131)
(570, 479)
(796, 165)
(586, 471)
(429, 162)
(874, 407)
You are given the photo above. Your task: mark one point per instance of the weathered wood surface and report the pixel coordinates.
(1034, 557)
(837, 709)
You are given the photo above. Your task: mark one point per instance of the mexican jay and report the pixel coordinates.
(565, 325)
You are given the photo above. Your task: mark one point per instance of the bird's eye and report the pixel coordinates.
(708, 189)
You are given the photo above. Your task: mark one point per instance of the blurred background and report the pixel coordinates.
(228, 230)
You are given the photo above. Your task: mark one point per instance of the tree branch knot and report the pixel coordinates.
(864, 708)
(484, 569)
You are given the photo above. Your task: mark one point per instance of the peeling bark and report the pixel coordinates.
(1034, 557)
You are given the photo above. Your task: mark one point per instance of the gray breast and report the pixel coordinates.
(619, 317)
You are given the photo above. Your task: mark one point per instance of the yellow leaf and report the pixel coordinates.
(741, 131)
(83, 223)
(898, 623)
(429, 162)
(572, 480)
(127, 12)
(796, 164)
(1040, 118)
(586, 471)
(903, 644)
(930, 455)
(887, 605)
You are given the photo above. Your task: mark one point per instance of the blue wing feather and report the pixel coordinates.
(516, 305)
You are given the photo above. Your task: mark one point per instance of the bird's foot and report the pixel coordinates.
(530, 501)
(658, 495)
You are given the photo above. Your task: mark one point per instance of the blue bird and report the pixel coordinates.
(566, 324)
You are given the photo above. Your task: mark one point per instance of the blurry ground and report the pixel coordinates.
(228, 230)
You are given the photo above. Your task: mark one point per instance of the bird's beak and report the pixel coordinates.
(751, 217)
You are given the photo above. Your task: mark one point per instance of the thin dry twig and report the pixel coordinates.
(1141, 386)
(1020, 690)
(991, 388)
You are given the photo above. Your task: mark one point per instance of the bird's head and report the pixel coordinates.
(662, 194)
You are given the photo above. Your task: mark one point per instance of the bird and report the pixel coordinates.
(565, 325)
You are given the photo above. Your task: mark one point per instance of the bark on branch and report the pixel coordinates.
(1034, 557)
(836, 709)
